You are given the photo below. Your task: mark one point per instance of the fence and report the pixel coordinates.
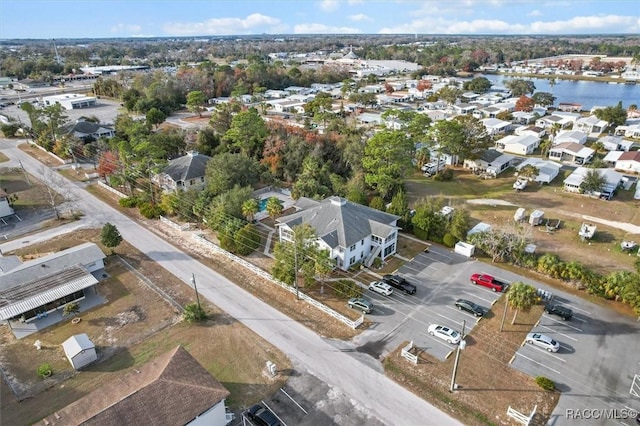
(406, 353)
(267, 276)
(521, 418)
(166, 221)
(108, 188)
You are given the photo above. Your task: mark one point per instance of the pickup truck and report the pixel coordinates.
(489, 281)
(400, 283)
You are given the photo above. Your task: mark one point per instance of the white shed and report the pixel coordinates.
(80, 351)
(465, 249)
(535, 218)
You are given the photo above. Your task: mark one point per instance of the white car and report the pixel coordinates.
(543, 341)
(520, 184)
(445, 333)
(381, 288)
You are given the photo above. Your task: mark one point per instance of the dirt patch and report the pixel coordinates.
(40, 155)
(135, 325)
(487, 383)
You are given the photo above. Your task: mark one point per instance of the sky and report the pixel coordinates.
(45, 19)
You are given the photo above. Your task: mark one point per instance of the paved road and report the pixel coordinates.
(355, 374)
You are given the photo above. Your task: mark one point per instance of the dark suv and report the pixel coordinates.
(400, 283)
(262, 416)
(561, 311)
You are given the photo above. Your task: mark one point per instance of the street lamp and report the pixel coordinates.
(461, 346)
(195, 287)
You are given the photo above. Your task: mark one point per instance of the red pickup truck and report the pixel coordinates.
(488, 281)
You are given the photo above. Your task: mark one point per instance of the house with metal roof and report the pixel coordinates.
(171, 389)
(33, 293)
(183, 173)
(352, 233)
(613, 180)
(571, 152)
(491, 162)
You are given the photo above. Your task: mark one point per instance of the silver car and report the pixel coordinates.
(543, 341)
(381, 288)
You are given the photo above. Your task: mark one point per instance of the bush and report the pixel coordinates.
(445, 175)
(545, 383)
(128, 202)
(247, 240)
(377, 263)
(347, 289)
(449, 240)
(150, 210)
(9, 130)
(45, 370)
(194, 313)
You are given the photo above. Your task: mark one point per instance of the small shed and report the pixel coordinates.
(520, 214)
(535, 218)
(465, 249)
(80, 351)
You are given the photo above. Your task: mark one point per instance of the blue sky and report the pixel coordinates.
(164, 18)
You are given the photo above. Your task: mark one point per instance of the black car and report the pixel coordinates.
(466, 305)
(400, 283)
(262, 416)
(561, 311)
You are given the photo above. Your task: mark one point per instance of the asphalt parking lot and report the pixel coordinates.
(599, 349)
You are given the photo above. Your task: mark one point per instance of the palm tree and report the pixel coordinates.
(521, 297)
(274, 206)
(530, 172)
(250, 208)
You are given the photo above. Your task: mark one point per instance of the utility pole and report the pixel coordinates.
(504, 312)
(295, 262)
(26, 176)
(195, 287)
(461, 346)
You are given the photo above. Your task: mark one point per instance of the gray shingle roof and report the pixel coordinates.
(340, 222)
(189, 166)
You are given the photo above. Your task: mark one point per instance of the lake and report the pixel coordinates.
(585, 93)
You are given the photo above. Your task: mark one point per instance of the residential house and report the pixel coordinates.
(591, 125)
(628, 131)
(183, 173)
(572, 136)
(34, 289)
(629, 162)
(351, 232)
(369, 118)
(547, 170)
(495, 126)
(612, 157)
(171, 389)
(613, 179)
(615, 143)
(491, 162)
(531, 130)
(523, 117)
(464, 109)
(569, 107)
(275, 94)
(519, 145)
(6, 208)
(88, 131)
(571, 152)
(549, 121)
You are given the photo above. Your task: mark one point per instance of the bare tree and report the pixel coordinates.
(57, 193)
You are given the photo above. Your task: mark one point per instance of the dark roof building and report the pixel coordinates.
(182, 173)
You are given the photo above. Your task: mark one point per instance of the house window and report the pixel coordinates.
(352, 248)
(352, 260)
(389, 250)
(376, 239)
(362, 242)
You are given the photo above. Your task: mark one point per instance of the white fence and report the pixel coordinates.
(521, 418)
(408, 355)
(108, 188)
(266, 275)
(166, 221)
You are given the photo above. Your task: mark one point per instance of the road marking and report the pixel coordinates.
(457, 322)
(293, 400)
(582, 310)
(273, 412)
(465, 313)
(437, 339)
(579, 319)
(478, 297)
(564, 323)
(555, 331)
(547, 352)
(533, 360)
(438, 254)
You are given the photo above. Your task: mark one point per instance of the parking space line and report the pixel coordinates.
(457, 322)
(465, 313)
(293, 400)
(533, 360)
(274, 413)
(446, 345)
(581, 310)
(579, 319)
(547, 352)
(562, 334)
(564, 323)
(478, 297)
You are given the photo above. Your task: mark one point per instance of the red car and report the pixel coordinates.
(488, 281)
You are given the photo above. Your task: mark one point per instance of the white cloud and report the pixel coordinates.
(323, 29)
(328, 5)
(360, 17)
(534, 13)
(581, 24)
(254, 23)
(354, 2)
(120, 28)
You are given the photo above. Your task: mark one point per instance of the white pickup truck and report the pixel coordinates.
(520, 184)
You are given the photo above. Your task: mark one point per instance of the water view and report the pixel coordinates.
(585, 93)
